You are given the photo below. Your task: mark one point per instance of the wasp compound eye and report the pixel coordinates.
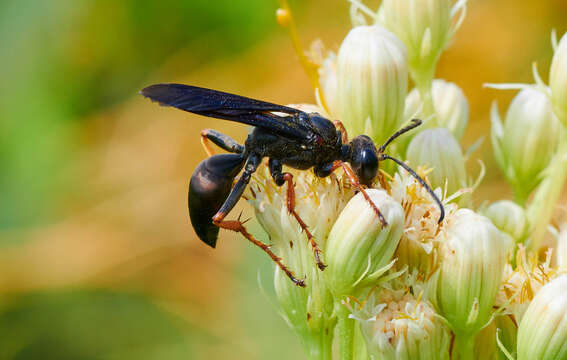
(209, 186)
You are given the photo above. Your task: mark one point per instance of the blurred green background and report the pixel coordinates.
(97, 256)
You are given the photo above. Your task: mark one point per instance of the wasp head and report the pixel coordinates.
(364, 159)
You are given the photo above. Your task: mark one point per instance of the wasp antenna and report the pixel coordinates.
(420, 180)
(414, 123)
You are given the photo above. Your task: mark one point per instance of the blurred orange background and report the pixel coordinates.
(98, 259)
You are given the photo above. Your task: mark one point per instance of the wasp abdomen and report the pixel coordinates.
(209, 187)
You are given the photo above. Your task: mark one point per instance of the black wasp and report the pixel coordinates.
(285, 136)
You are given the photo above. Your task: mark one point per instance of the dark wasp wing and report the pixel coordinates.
(218, 104)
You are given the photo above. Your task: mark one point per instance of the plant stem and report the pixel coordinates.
(345, 332)
(520, 197)
(465, 346)
(321, 347)
(424, 81)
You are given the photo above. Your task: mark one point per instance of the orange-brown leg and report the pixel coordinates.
(291, 208)
(344, 135)
(358, 186)
(238, 226)
(205, 143)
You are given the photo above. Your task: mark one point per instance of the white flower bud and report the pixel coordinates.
(508, 217)
(473, 254)
(424, 26)
(397, 326)
(542, 333)
(372, 75)
(359, 249)
(451, 106)
(524, 145)
(437, 149)
(558, 80)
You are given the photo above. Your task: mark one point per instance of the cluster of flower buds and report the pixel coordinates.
(417, 288)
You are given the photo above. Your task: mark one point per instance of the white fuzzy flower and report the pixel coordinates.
(398, 326)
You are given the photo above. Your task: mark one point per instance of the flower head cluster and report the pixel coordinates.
(399, 325)
(408, 286)
(418, 245)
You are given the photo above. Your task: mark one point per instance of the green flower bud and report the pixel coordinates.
(451, 106)
(542, 333)
(438, 149)
(508, 217)
(473, 254)
(524, 145)
(558, 81)
(372, 77)
(425, 27)
(398, 326)
(359, 249)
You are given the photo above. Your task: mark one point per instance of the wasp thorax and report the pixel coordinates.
(324, 127)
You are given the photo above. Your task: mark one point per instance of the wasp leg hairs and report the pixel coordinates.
(238, 226)
(280, 178)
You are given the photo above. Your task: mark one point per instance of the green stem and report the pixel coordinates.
(321, 347)
(426, 95)
(465, 346)
(345, 332)
(424, 81)
(520, 197)
(547, 193)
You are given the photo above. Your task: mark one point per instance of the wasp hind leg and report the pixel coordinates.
(280, 178)
(221, 140)
(238, 226)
